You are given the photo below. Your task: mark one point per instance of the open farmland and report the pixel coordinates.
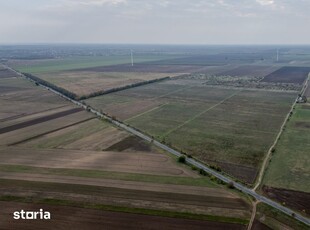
(227, 127)
(250, 70)
(80, 62)
(50, 149)
(19, 98)
(131, 162)
(287, 176)
(150, 68)
(4, 73)
(288, 75)
(268, 218)
(217, 59)
(94, 219)
(84, 83)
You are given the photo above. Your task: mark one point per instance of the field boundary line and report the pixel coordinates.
(157, 107)
(199, 114)
(269, 153)
(253, 215)
(175, 91)
(218, 124)
(51, 131)
(29, 114)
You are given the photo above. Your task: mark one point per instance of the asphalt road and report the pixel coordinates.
(190, 161)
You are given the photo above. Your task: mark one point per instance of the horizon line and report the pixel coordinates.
(156, 44)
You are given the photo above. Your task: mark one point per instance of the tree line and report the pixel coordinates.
(103, 92)
(73, 96)
(52, 86)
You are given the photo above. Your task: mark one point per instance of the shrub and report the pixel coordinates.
(202, 172)
(182, 159)
(194, 168)
(215, 167)
(231, 185)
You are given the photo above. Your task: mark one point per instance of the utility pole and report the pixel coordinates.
(131, 57)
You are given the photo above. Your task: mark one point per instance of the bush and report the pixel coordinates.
(182, 159)
(194, 168)
(202, 172)
(231, 185)
(215, 167)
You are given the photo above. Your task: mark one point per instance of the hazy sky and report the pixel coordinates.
(151, 21)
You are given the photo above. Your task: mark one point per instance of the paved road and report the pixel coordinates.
(190, 161)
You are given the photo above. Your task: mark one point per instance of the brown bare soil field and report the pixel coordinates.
(87, 82)
(135, 198)
(5, 73)
(8, 116)
(121, 184)
(39, 120)
(7, 89)
(23, 116)
(79, 218)
(245, 173)
(99, 140)
(136, 162)
(89, 135)
(257, 225)
(132, 143)
(288, 75)
(19, 97)
(12, 137)
(26, 106)
(250, 70)
(145, 68)
(295, 199)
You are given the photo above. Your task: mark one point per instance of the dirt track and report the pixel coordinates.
(77, 218)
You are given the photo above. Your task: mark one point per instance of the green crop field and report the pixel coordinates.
(229, 127)
(289, 167)
(51, 65)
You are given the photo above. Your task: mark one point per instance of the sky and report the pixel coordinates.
(155, 21)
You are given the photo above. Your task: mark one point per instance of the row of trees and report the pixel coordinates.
(95, 94)
(52, 86)
(103, 92)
